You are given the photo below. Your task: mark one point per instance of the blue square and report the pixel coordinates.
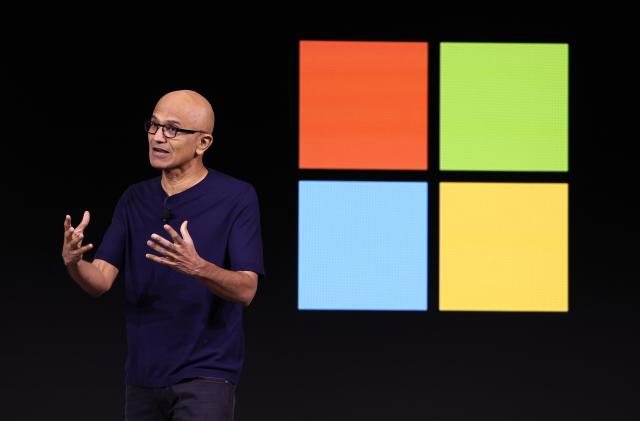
(362, 245)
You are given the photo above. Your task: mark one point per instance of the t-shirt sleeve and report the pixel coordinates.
(113, 242)
(245, 239)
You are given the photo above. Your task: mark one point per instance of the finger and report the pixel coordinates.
(78, 240)
(162, 241)
(86, 248)
(68, 234)
(157, 247)
(157, 259)
(82, 249)
(174, 235)
(185, 232)
(85, 221)
(67, 222)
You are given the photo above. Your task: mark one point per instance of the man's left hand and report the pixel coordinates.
(180, 254)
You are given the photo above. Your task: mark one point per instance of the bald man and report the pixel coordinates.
(188, 244)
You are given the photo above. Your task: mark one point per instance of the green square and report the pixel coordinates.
(504, 106)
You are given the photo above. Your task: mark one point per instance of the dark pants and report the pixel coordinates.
(199, 399)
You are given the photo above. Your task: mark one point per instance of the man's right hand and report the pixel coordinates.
(72, 248)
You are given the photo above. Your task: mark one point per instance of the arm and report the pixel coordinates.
(181, 255)
(237, 286)
(94, 278)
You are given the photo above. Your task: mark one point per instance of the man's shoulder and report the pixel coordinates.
(229, 183)
(146, 182)
(142, 187)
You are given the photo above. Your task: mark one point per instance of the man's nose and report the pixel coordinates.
(159, 135)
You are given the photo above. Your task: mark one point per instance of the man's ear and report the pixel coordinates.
(204, 143)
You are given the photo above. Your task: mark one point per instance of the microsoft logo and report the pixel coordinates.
(498, 192)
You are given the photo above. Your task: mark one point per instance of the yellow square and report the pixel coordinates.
(504, 246)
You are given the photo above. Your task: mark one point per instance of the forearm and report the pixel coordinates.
(88, 277)
(228, 284)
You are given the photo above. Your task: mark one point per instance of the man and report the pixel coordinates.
(189, 246)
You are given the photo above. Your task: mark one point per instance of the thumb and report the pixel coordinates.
(185, 233)
(86, 217)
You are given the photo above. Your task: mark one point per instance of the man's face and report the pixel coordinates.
(167, 153)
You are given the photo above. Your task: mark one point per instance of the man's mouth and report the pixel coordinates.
(160, 150)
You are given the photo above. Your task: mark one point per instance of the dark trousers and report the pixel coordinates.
(199, 399)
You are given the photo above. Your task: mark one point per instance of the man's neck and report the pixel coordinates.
(176, 180)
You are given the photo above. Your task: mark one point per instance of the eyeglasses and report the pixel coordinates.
(168, 130)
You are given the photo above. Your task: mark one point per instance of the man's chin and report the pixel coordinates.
(159, 165)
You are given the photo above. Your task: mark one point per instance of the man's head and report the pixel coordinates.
(190, 116)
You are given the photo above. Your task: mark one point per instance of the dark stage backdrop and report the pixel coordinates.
(74, 141)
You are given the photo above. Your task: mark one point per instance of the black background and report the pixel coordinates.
(73, 140)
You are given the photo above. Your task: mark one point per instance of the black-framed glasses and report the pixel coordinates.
(168, 130)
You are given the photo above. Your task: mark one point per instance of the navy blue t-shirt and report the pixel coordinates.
(176, 327)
